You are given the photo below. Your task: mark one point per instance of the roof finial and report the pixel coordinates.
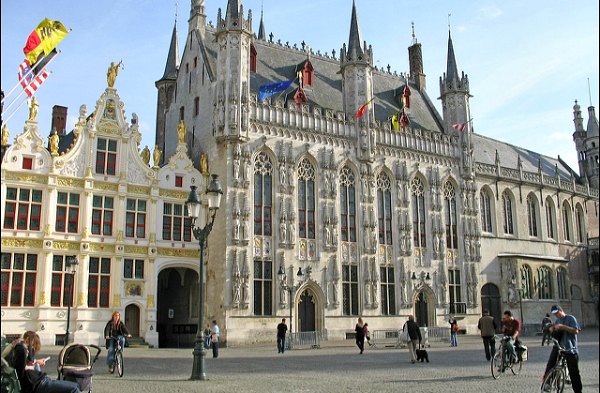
(176, 5)
(449, 14)
(589, 91)
(414, 36)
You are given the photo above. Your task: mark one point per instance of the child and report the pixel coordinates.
(367, 334)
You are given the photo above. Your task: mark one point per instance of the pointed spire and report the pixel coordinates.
(233, 9)
(173, 57)
(261, 28)
(452, 69)
(355, 49)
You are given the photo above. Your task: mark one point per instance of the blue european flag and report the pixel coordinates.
(269, 89)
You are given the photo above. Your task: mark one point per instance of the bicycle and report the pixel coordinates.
(558, 375)
(502, 359)
(117, 363)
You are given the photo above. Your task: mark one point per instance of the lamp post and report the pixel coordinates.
(71, 263)
(291, 289)
(201, 230)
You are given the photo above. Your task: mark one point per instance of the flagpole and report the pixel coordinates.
(13, 112)
(31, 69)
(21, 93)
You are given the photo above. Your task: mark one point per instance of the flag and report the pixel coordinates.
(396, 122)
(30, 81)
(363, 109)
(46, 36)
(404, 120)
(459, 126)
(406, 99)
(300, 97)
(269, 89)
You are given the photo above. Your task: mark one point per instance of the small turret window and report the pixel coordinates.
(252, 58)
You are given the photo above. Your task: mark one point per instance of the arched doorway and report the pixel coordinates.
(424, 306)
(132, 319)
(490, 300)
(307, 312)
(177, 307)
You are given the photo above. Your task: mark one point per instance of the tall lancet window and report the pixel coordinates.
(347, 183)
(263, 224)
(450, 207)
(306, 200)
(384, 208)
(418, 202)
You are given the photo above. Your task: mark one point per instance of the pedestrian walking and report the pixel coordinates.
(414, 333)
(453, 331)
(214, 339)
(360, 335)
(546, 323)
(207, 334)
(281, 331)
(488, 327)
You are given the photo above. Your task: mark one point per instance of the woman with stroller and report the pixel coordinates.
(31, 378)
(114, 330)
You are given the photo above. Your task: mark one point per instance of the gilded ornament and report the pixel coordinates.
(113, 71)
(5, 134)
(33, 108)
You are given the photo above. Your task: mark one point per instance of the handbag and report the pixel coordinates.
(404, 337)
(455, 328)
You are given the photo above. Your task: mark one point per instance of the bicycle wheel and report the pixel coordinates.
(516, 367)
(496, 365)
(119, 362)
(554, 381)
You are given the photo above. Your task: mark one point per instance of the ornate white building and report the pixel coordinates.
(426, 220)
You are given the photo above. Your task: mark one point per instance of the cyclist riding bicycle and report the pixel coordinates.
(511, 328)
(114, 330)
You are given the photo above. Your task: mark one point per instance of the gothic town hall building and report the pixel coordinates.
(363, 219)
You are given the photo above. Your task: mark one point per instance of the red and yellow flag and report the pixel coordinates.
(47, 35)
(363, 109)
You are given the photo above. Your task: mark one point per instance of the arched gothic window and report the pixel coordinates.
(384, 208)
(566, 213)
(532, 215)
(485, 202)
(306, 200)
(507, 214)
(550, 219)
(450, 206)
(544, 283)
(418, 202)
(263, 195)
(348, 205)
(526, 282)
(561, 280)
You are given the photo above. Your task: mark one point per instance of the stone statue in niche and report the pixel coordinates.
(282, 174)
(236, 226)
(236, 168)
(237, 282)
(282, 289)
(282, 229)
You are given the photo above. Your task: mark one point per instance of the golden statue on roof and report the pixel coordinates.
(113, 71)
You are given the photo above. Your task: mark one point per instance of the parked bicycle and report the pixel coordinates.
(502, 359)
(117, 363)
(558, 376)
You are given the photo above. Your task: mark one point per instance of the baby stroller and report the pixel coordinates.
(75, 364)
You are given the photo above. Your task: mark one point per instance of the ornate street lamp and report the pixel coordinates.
(201, 230)
(291, 289)
(71, 263)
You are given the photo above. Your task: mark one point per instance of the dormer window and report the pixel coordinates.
(252, 58)
(308, 74)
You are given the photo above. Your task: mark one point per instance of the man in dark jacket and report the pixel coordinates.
(281, 331)
(414, 333)
(488, 327)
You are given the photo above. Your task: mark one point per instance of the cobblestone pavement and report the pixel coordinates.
(335, 367)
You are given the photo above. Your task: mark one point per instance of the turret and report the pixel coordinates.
(197, 19)
(454, 92)
(234, 37)
(356, 67)
(166, 91)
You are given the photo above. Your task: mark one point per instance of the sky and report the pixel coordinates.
(527, 61)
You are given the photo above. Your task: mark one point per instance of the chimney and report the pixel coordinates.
(59, 119)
